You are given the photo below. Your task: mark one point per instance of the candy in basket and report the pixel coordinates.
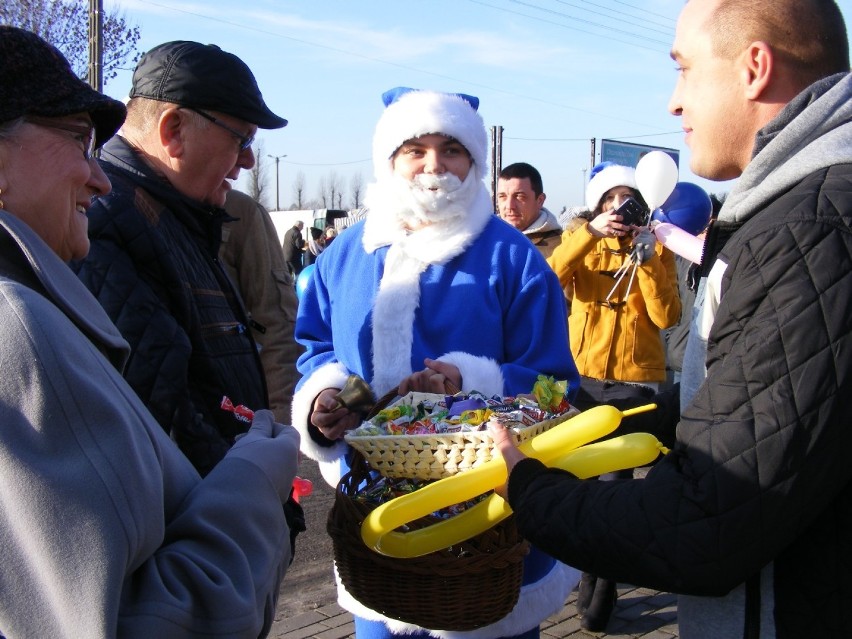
(430, 436)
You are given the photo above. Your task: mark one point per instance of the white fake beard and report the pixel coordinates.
(428, 199)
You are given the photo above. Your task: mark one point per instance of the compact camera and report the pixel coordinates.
(633, 213)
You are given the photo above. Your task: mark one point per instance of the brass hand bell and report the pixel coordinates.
(356, 395)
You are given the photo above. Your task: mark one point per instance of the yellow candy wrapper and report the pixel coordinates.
(549, 393)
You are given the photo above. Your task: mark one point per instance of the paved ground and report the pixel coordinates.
(307, 605)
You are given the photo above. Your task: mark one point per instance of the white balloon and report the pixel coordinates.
(656, 177)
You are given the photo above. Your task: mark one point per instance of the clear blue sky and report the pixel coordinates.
(552, 73)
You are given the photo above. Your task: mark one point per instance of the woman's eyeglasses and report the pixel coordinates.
(85, 133)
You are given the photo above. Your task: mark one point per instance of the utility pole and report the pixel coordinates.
(96, 52)
(496, 161)
(276, 158)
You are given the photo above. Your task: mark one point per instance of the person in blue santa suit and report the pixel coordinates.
(431, 287)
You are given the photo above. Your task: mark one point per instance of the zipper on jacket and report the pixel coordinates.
(231, 328)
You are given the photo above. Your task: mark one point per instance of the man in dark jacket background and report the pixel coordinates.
(750, 515)
(153, 264)
(294, 247)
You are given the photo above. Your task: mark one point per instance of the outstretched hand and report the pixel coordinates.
(271, 446)
(508, 449)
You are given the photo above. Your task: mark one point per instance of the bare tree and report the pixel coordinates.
(65, 24)
(357, 186)
(331, 190)
(299, 192)
(335, 189)
(323, 192)
(257, 176)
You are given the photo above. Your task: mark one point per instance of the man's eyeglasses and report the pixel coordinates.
(85, 133)
(245, 140)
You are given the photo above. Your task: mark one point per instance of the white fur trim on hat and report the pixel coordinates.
(606, 179)
(423, 112)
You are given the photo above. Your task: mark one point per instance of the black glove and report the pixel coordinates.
(295, 517)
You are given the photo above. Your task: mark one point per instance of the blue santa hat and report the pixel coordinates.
(410, 113)
(606, 176)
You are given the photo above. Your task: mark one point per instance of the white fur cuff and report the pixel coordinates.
(478, 373)
(329, 376)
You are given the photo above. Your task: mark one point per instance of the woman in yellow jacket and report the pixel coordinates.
(615, 321)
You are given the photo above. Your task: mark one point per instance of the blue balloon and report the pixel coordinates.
(688, 207)
(304, 279)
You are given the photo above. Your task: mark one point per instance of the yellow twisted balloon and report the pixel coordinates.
(563, 446)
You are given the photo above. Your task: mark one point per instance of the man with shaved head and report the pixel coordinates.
(749, 517)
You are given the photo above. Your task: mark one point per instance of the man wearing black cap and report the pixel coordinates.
(193, 112)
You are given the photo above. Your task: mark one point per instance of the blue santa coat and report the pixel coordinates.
(495, 310)
(498, 299)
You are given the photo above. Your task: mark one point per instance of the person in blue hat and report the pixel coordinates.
(431, 286)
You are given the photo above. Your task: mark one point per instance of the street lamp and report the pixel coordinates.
(276, 158)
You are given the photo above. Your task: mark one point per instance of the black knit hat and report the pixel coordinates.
(36, 79)
(202, 76)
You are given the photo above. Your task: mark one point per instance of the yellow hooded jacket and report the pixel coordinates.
(617, 339)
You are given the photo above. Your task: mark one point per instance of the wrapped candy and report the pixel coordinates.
(459, 405)
(422, 413)
(242, 413)
(474, 417)
(550, 393)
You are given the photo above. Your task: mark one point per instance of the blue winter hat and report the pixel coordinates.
(392, 95)
(606, 176)
(411, 113)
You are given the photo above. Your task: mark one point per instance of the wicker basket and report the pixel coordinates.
(435, 456)
(468, 586)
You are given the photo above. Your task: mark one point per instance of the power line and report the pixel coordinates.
(582, 8)
(608, 29)
(362, 56)
(659, 15)
(586, 139)
(328, 163)
(669, 25)
(417, 70)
